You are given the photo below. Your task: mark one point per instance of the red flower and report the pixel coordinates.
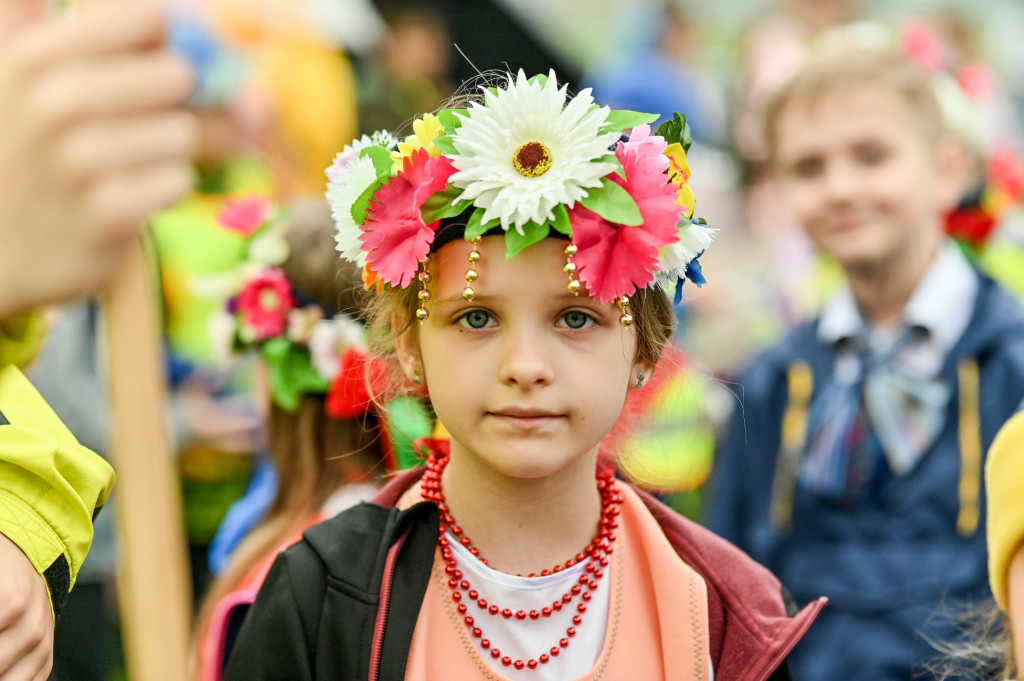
(615, 260)
(264, 303)
(972, 225)
(350, 395)
(396, 237)
(245, 215)
(1005, 172)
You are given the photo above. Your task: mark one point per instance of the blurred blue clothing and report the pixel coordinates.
(243, 516)
(894, 561)
(652, 83)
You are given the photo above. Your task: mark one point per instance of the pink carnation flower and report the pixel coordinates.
(615, 260)
(264, 303)
(245, 215)
(395, 237)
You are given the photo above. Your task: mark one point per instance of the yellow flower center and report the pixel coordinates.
(269, 300)
(531, 159)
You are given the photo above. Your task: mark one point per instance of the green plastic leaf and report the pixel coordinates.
(541, 78)
(516, 242)
(291, 373)
(445, 144)
(476, 227)
(626, 120)
(380, 156)
(450, 118)
(613, 203)
(439, 205)
(676, 130)
(361, 205)
(561, 221)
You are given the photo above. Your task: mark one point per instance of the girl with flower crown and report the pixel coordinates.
(524, 252)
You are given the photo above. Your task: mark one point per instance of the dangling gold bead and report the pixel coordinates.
(424, 277)
(474, 256)
(570, 250)
(421, 314)
(626, 319)
(574, 287)
(423, 295)
(471, 275)
(468, 293)
(570, 268)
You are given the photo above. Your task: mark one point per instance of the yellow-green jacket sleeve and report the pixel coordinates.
(51, 487)
(1004, 480)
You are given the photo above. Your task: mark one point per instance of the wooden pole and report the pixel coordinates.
(154, 583)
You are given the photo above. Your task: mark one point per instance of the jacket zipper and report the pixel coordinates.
(794, 637)
(382, 608)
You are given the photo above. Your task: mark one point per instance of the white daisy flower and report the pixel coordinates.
(340, 167)
(341, 196)
(674, 258)
(521, 154)
(330, 338)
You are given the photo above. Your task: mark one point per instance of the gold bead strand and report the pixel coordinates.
(424, 294)
(626, 319)
(471, 273)
(570, 269)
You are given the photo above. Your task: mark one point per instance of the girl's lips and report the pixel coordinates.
(525, 419)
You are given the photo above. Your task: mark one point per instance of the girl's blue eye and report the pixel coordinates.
(475, 319)
(577, 320)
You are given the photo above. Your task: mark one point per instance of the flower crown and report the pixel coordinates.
(528, 164)
(307, 347)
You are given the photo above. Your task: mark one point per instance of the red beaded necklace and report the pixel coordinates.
(595, 555)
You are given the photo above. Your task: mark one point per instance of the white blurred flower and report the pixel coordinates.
(673, 259)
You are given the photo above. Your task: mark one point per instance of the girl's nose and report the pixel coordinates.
(525, 362)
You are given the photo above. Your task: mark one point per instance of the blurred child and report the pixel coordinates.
(853, 467)
(516, 259)
(326, 443)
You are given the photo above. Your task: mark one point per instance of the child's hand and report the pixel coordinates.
(26, 626)
(94, 140)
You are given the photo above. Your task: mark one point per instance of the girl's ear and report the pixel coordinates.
(408, 356)
(642, 372)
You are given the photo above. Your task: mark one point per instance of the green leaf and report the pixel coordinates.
(476, 227)
(539, 78)
(380, 156)
(626, 120)
(561, 221)
(291, 373)
(450, 120)
(408, 420)
(676, 130)
(516, 242)
(445, 144)
(613, 203)
(439, 205)
(361, 205)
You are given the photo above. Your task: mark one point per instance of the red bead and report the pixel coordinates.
(521, 615)
(546, 612)
(495, 653)
(564, 642)
(545, 573)
(482, 603)
(557, 605)
(462, 608)
(532, 664)
(457, 574)
(474, 550)
(576, 619)
(580, 557)
(569, 563)
(493, 610)
(456, 596)
(554, 651)
(506, 660)
(465, 585)
(506, 613)
(558, 568)
(566, 598)
(464, 540)
(599, 573)
(534, 614)
(485, 643)
(519, 664)
(576, 589)
(582, 580)
(469, 621)
(581, 608)
(452, 583)
(473, 594)
(587, 595)
(477, 633)
(593, 585)
(543, 658)
(571, 631)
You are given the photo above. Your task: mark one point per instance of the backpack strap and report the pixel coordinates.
(800, 387)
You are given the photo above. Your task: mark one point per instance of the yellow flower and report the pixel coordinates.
(679, 175)
(425, 130)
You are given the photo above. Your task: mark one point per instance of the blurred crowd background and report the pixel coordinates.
(279, 100)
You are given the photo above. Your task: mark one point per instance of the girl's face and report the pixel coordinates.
(527, 378)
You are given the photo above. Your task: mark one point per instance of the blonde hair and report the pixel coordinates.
(857, 70)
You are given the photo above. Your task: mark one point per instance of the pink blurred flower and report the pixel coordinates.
(245, 215)
(264, 303)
